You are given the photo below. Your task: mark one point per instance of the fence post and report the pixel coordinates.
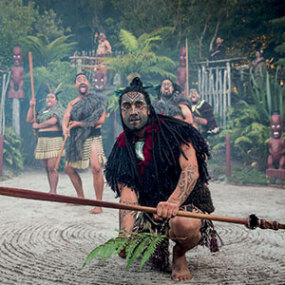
(1, 154)
(228, 156)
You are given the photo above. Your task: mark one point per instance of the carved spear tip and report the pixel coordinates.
(254, 222)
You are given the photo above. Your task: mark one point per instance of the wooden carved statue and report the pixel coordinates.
(276, 144)
(99, 79)
(276, 156)
(17, 82)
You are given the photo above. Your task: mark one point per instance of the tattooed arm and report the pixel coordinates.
(127, 217)
(186, 183)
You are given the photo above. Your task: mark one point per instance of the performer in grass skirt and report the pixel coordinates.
(49, 135)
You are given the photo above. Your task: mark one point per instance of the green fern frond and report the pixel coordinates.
(128, 40)
(243, 139)
(155, 241)
(136, 245)
(131, 248)
(141, 248)
(104, 251)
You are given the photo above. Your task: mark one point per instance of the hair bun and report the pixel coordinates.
(136, 82)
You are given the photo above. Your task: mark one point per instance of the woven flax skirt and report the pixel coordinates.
(48, 147)
(84, 162)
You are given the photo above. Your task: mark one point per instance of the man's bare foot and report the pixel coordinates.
(96, 210)
(180, 271)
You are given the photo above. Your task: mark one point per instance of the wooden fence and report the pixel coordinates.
(215, 85)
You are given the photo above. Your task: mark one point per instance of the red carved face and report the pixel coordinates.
(99, 80)
(182, 57)
(17, 56)
(276, 126)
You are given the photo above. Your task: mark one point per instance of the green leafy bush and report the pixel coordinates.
(12, 155)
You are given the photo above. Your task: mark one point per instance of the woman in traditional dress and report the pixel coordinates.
(48, 127)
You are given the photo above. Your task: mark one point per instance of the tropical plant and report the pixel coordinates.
(12, 155)
(45, 51)
(140, 57)
(268, 93)
(137, 245)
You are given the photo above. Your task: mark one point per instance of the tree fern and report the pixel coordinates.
(128, 40)
(136, 245)
(141, 58)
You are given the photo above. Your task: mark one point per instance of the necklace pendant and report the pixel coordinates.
(139, 150)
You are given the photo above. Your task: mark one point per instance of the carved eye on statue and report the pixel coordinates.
(102, 79)
(95, 79)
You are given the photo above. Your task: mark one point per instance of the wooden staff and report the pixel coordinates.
(187, 69)
(60, 154)
(251, 222)
(32, 83)
(32, 88)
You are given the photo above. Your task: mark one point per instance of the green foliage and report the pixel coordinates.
(136, 246)
(248, 175)
(48, 25)
(268, 94)
(45, 51)
(12, 155)
(140, 58)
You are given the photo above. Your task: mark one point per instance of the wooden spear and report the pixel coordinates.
(32, 82)
(60, 154)
(187, 69)
(251, 222)
(32, 87)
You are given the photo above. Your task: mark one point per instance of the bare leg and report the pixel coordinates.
(186, 233)
(46, 169)
(98, 180)
(75, 179)
(52, 174)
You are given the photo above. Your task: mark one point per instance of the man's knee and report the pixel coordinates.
(69, 170)
(185, 227)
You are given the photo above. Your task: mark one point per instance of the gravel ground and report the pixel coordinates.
(46, 242)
